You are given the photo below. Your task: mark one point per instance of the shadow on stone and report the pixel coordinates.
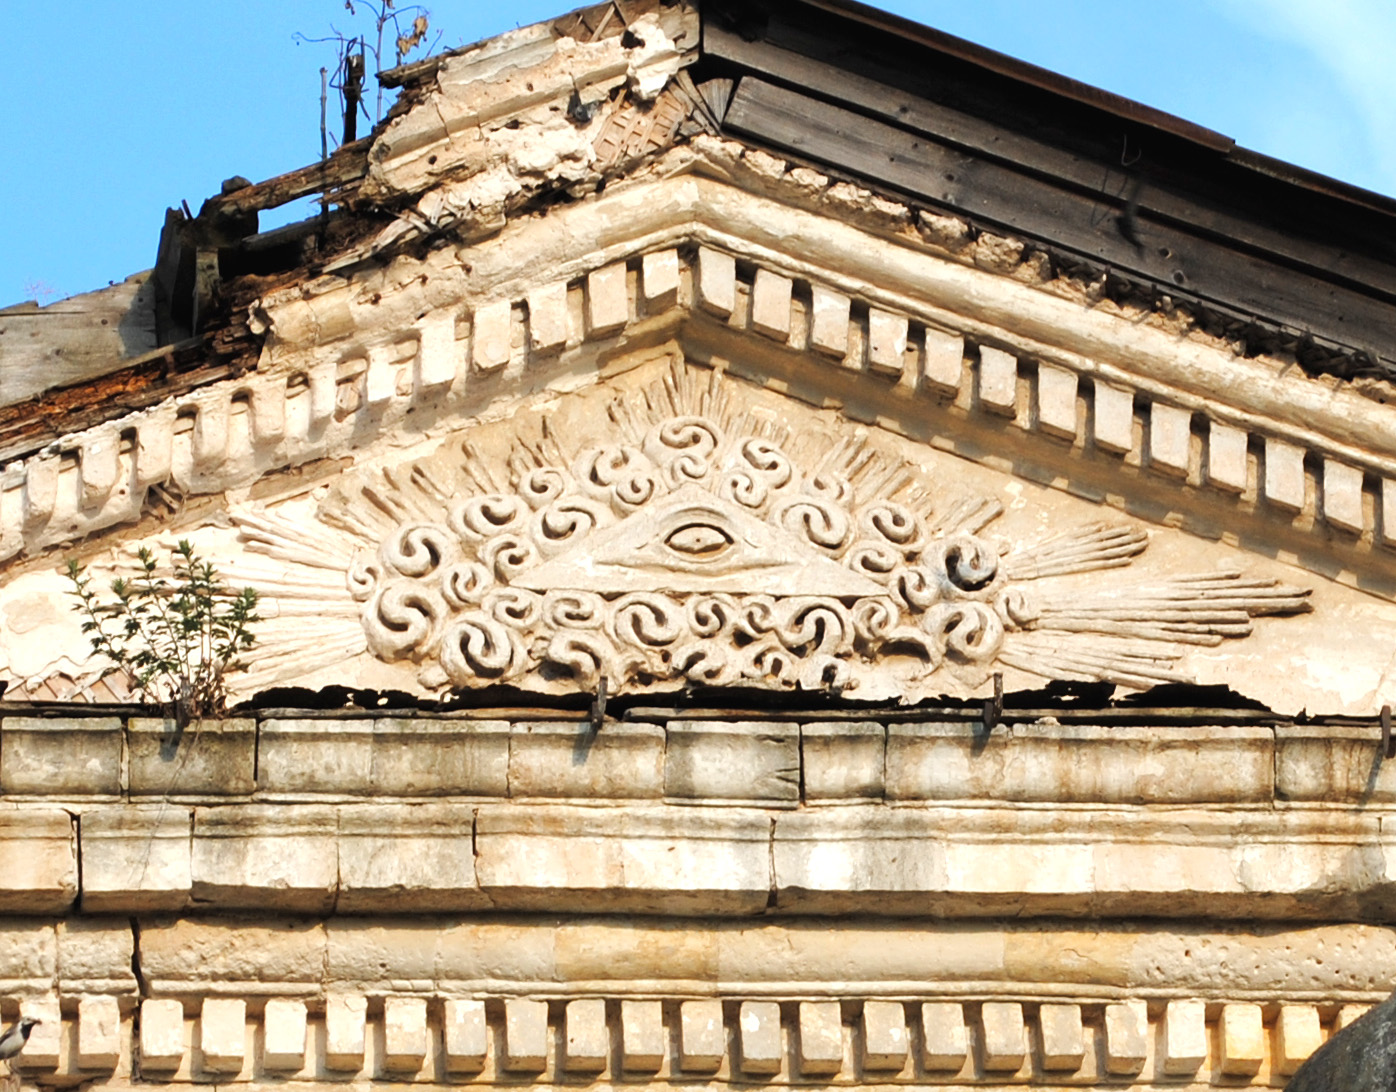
(1360, 1058)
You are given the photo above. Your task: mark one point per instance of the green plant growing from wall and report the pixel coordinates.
(176, 631)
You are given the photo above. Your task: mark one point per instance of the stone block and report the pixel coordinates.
(315, 755)
(1063, 1038)
(843, 760)
(208, 758)
(222, 1034)
(492, 335)
(644, 1041)
(942, 368)
(99, 1033)
(770, 304)
(1387, 523)
(94, 955)
(44, 1048)
(659, 279)
(438, 357)
(608, 300)
(38, 860)
(568, 759)
(829, 312)
(587, 1040)
(1170, 438)
(464, 1035)
(665, 860)
(1284, 474)
(1297, 1035)
(998, 380)
(162, 1035)
(944, 1042)
(419, 852)
(135, 857)
(266, 857)
(1240, 1040)
(887, 340)
(1331, 763)
(885, 1038)
(1004, 1039)
(547, 317)
(405, 1036)
(702, 1036)
(1342, 496)
(1056, 400)
(1349, 1015)
(821, 1038)
(1114, 417)
(717, 281)
(1126, 1037)
(759, 1038)
(1183, 1042)
(345, 1019)
(525, 1048)
(1228, 464)
(419, 756)
(756, 761)
(61, 756)
(283, 1034)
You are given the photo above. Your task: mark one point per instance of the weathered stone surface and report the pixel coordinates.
(1170, 438)
(222, 1034)
(770, 304)
(1056, 400)
(1126, 1037)
(608, 300)
(211, 757)
(405, 1036)
(257, 856)
(1359, 1057)
(998, 379)
(188, 957)
(821, 1038)
(345, 1019)
(1183, 1038)
(1240, 1040)
(945, 1041)
(44, 1048)
(1298, 1034)
(95, 954)
(163, 1035)
(887, 339)
(755, 761)
(569, 759)
(702, 1036)
(464, 1035)
(885, 1037)
(1063, 1040)
(60, 756)
(717, 281)
(587, 1039)
(842, 760)
(1004, 1045)
(283, 1034)
(644, 1041)
(421, 852)
(660, 279)
(99, 1033)
(525, 1048)
(38, 859)
(1335, 763)
(136, 857)
(760, 1039)
(829, 312)
(1114, 417)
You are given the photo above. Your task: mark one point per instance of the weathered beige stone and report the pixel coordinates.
(1333, 763)
(842, 760)
(1387, 524)
(1063, 1040)
(821, 1038)
(163, 1036)
(942, 369)
(419, 851)
(733, 760)
(464, 1035)
(1228, 462)
(136, 857)
(608, 300)
(222, 1034)
(345, 1020)
(260, 856)
(835, 860)
(646, 859)
(38, 860)
(1126, 1037)
(94, 954)
(1056, 400)
(492, 335)
(60, 756)
(702, 1036)
(1183, 1038)
(547, 317)
(1240, 1040)
(760, 1039)
(1170, 438)
(885, 1037)
(283, 1034)
(525, 1047)
(99, 1033)
(315, 755)
(1113, 409)
(644, 1041)
(587, 1042)
(770, 304)
(44, 1048)
(569, 759)
(405, 1036)
(1349, 1015)
(829, 314)
(945, 1041)
(887, 340)
(211, 757)
(417, 756)
(659, 278)
(1298, 1034)
(998, 379)
(189, 957)
(1284, 474)
(1342, 495)
(439, 355)
(717, 281)
(1004, 1043)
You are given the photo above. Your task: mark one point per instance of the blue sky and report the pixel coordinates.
(116, 110)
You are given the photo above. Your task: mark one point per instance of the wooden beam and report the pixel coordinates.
(348, 164)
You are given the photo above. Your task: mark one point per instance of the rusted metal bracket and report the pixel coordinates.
(993, 707)
(598, 705)
(1388, 745)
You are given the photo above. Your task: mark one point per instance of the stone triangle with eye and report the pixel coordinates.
(694, 541)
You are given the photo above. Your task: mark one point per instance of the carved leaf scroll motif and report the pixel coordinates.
(692, 547)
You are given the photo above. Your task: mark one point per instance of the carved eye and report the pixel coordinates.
(699, 541)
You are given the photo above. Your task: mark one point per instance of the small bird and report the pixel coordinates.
(12, 1042)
